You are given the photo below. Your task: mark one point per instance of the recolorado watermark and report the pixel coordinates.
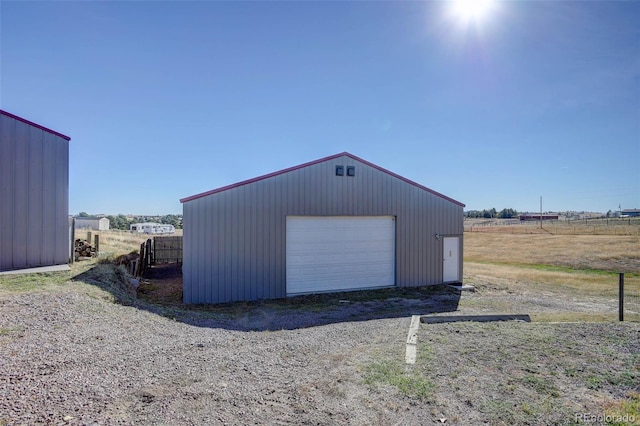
(602, 418)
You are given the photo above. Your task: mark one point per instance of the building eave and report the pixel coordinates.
(31, 123)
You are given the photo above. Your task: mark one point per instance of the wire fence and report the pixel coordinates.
(628, 299)
(584, 226)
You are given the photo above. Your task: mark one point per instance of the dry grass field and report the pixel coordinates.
(579, 252)
(115, 242)
(566, 266)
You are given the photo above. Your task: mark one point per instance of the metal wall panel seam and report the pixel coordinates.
(7, 190)
(20, 191)
(208, 249)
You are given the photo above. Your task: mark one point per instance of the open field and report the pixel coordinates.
(579, 252)
(571, 269)
(70, 355)
(613, 226)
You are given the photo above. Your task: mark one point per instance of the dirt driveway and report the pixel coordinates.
(74, 359)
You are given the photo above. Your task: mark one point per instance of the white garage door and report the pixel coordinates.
(333, 253)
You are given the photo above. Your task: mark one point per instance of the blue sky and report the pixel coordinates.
(163, 100)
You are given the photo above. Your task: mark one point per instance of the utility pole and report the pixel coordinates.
(541, 212)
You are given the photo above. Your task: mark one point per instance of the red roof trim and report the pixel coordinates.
(311, 163)
(245, 182)
(31, 123)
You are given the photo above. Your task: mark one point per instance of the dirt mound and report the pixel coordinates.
(113, 279)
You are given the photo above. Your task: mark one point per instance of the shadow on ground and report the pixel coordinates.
(160, 292)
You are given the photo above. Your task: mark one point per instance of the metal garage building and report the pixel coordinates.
(337, 223)
(34, 194)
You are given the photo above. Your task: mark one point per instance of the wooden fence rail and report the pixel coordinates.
(158, 250)
(167, 249)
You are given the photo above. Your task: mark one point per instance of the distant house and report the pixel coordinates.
(630, 213)
(34, 195)
(152, 228)
(92, 222)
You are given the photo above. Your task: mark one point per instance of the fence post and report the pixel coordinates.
(140, 261)
(89, 237)
(148, 249)
(73, 240)
(96, 242)
(621, 296)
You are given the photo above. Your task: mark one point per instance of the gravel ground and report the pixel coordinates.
(75, 357)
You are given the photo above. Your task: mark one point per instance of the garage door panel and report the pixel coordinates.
(339, 253)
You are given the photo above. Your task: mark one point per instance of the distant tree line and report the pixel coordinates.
(492, 213)
(123, 222)
(119, 222)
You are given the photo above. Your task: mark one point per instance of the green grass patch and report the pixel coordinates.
(508, 413)
(627, 378)
(411, 380)
(555, 268)
(6, 331)
(541, 385)
(26, 283)
(395, 374)
(621, 412)
(43, 281)
(580, 317)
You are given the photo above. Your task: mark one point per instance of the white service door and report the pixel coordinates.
(451, 259)
(334, 253)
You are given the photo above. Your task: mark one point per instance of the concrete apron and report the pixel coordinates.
(39, 270)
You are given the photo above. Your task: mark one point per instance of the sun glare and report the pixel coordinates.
(471, 10)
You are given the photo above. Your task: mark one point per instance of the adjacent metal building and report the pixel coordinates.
(334, 224)
(630, 213)
(95, 223)
(34, 194)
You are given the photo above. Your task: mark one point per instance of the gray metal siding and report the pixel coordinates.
(234, 240)
(34, 191)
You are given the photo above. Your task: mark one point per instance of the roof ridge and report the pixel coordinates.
(311, 163)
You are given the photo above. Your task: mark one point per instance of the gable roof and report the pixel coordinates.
(91, 218)
(311, 163)
(31, 123)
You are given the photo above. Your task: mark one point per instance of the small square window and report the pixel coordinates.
(351, 170)
(339, 170)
